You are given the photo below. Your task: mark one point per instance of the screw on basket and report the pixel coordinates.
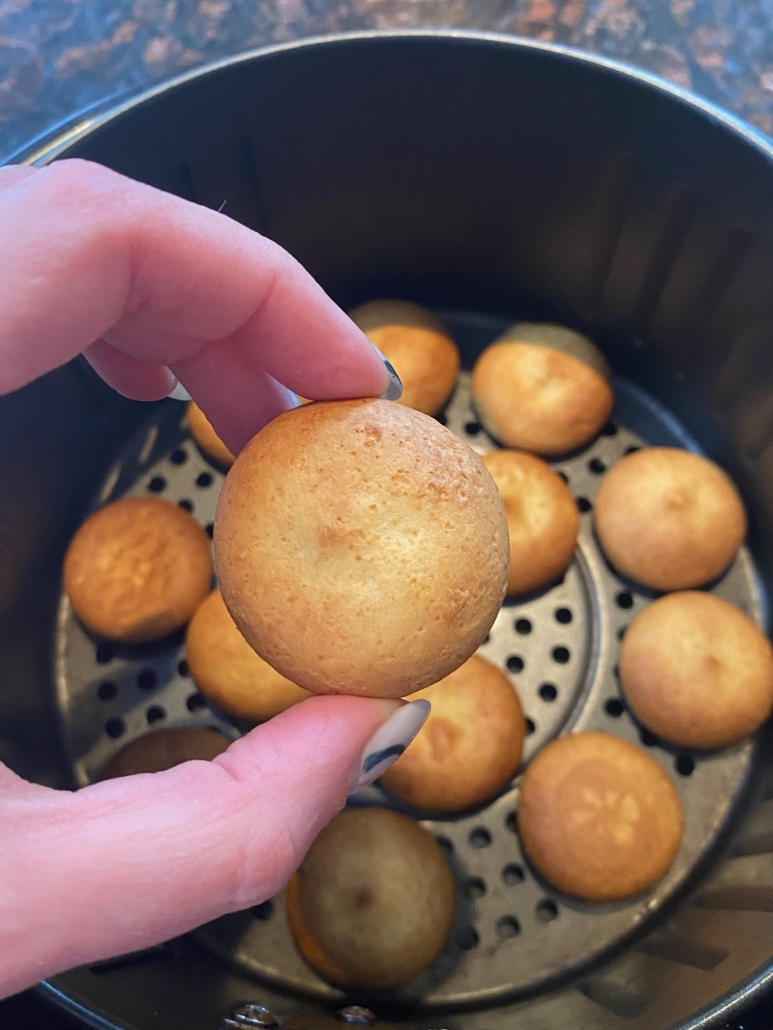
(357, 1015)
(248, 1016)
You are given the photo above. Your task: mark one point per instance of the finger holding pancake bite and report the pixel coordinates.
(237, 321)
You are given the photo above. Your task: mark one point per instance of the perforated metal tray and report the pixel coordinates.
(513, 934)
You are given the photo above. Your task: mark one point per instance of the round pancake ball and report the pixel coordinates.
(542, 388)
(469, 747)
(227, 670)
(373, 901)
(163, 749)
(542, 519)
(206, 437)
(669, 519)
(137, 569)
(696, 671)
(418, 347)
(361, 548)
(598, 818)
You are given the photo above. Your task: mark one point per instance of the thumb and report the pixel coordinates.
(128, 863)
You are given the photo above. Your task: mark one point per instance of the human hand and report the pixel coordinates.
(153, 289)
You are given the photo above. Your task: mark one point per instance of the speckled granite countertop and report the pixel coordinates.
(58, 57)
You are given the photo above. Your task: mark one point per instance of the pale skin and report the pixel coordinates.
(153, 289)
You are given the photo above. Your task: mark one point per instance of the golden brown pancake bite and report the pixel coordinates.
(469, 747)
(361, 548)
(696, 671)
(206, 437)
(373, 901)
(542, 388)
(598, 818)
(669, 519)
(542, 519)
(227, 670)
(137, 569)
(417, 345)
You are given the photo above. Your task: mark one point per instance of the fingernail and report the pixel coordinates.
(179, 393)
(395, 389)
(388, 743)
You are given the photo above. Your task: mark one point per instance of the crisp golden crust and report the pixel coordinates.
(469, 747)
(669, 519)
(696, 671)
(418, 347)
(227, 670)
(598, 818)
(538, 398)
(206, 437)
(163, 749)
(137, 569)
(542, 519)
(376, 897)
(361, 548)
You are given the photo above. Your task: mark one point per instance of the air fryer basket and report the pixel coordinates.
(489, 179)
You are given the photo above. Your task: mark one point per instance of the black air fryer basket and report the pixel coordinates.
(490, 179)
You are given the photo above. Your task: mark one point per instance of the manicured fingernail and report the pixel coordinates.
(388, 742)
(179, 393)
(395, 389)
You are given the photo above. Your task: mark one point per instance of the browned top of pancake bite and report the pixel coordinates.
(418, 347)
(469, 747)
(538, 393)
(227, 670)
(361, 547)
(696, 671)
(598, 817)
(137, 569)
(542, 518)
(669, 519)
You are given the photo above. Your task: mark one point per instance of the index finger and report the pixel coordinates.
(90, 254)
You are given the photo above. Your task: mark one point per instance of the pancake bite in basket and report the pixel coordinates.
(598, 818)
(228, 672)
(669, 519)
(163, 749)
(696, 671)
(206, 437)
(361, 548)
(469, 747)
(542, 388)
(542, 519)
(417, 345)
(373, 900)
(137, 569)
